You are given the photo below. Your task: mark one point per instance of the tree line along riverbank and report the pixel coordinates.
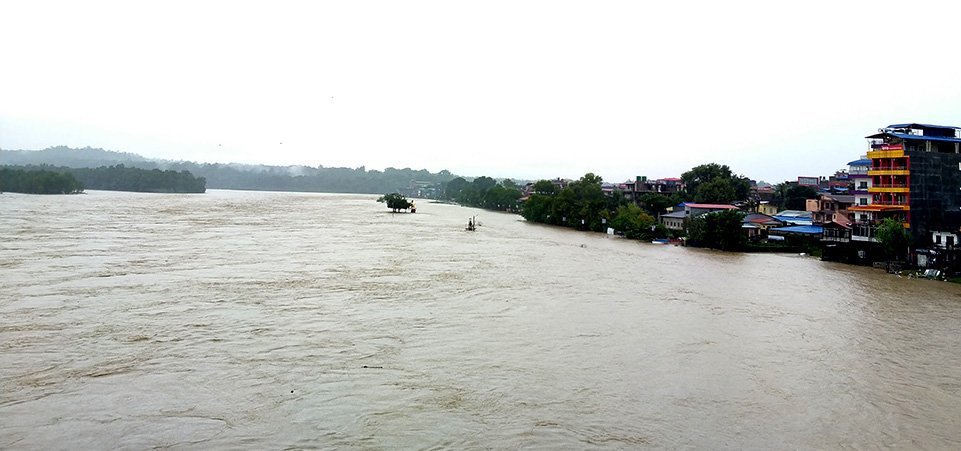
(62, 180)
(584, 205)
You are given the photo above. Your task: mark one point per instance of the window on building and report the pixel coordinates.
(937, 239)
(950, 240)
(863, 201)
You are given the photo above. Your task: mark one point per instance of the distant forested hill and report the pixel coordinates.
(246, 177)
(67, 157)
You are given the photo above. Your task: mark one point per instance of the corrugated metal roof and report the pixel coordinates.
(794, 220)
(710, 206)
(795, 214)
(760, 218)
(914, 137)
(920, 125)
(799, 230)
(842, 198)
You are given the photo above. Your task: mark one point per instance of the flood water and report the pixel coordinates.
(284, 320)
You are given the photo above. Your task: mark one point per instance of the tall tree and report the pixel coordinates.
(544, 187)
(454, 187)
(791, 196)
(483, 183)
(655, 203)
(718, 230)
(723, 185)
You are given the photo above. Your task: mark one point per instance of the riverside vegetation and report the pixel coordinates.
(61, 180)
(38, 182)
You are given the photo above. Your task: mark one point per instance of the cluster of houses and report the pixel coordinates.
(910, 172)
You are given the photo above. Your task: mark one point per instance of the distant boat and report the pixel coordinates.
(660, 241)
(471, 224)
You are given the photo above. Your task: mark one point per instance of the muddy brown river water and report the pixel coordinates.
(281, 320)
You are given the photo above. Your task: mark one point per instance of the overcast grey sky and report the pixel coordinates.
(524, 89)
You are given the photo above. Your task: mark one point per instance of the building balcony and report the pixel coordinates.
(882, 188)
(864, 232)
(876, 207)
(886, 154)
(890, 171)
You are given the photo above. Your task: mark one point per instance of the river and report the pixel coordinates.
(295, 320)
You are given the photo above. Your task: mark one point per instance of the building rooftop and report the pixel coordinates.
(799, 230)
(794, 214)
(908, 137)
(840, 198)
(760, 218)
(709, 206)
(916, 125)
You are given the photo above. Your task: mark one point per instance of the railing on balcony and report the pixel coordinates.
(890, 185)
(864, 232)
(842, 235)
(889, 168)
(890, 202)
(885, 153)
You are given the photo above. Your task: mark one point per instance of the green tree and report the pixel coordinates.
(395, 201)
(893, 238)
(716, 191)
(582, 204)
(710, 173)
(453, 188)
(537, 208)
(655, 203)
(545, 187)
(791, 196)
(483, 183)
(718, 230)
(634, 222)
(591, 205)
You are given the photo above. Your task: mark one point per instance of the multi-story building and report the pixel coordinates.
(831, 208)
(861, 181)
(915, 178)
(634, 189)
(813, 182)
(690, 210)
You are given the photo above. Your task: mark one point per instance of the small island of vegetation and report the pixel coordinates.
(38, 182)
(396, 202)
(61, 180)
